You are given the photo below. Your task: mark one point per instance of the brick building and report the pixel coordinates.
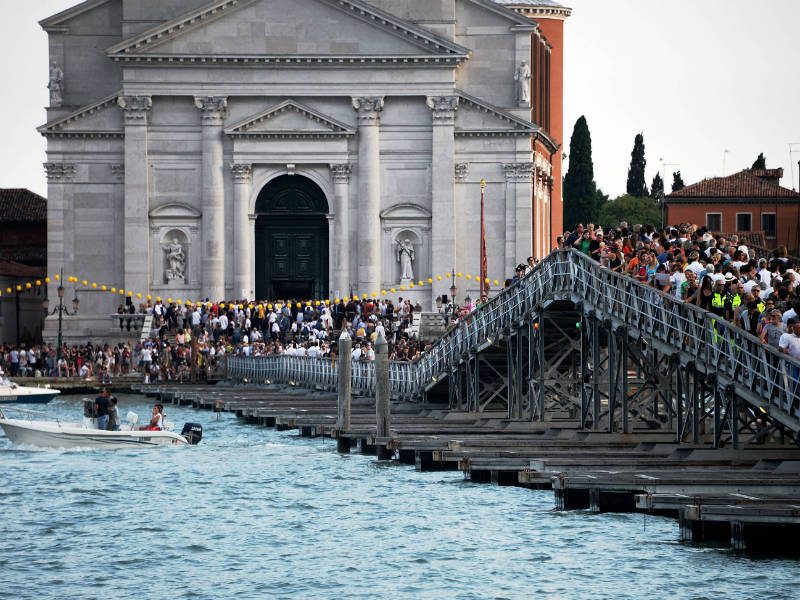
(750, 201)
(23, 256)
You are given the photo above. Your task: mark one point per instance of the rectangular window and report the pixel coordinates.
(714, 222)
(744, 221)
(769, 225)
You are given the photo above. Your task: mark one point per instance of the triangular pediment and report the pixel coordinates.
(290, 119)
(99, 119)
(475, 115)
(288, 32)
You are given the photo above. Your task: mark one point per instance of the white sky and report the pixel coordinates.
(697, 77)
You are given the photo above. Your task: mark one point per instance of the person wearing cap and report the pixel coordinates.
(718, 299)
(734, 299)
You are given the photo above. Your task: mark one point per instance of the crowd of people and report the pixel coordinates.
(717, 273)
(191, 340)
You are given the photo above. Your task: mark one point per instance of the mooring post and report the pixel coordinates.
(345, 392)
(382, 411)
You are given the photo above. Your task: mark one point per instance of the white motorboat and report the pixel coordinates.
(11, 392)
(60, 434)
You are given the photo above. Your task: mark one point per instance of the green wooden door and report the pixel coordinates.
(291, 241)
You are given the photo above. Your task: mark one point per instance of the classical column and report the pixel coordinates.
(213, 110)
(242, 250)
(443, 221)
(341, 228)
(60, 234)
(369, 193)
(136, 230)
(519, 214)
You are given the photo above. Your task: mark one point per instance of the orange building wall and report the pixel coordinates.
(787, 218)
(553, 30)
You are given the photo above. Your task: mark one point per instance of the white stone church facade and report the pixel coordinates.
(249, 149)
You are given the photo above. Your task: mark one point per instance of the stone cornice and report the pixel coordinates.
(56, 128)
(292, 60)
(520, 127)
(369, 109)
(84, 135)
(443, 108)
(135, 49)
(245, 128)
(55, 23)
(59, 172)
(341, 172)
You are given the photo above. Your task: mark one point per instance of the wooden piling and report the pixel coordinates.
(382, 409)
(345, 391)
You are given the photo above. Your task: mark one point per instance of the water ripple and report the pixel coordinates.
(255, 513)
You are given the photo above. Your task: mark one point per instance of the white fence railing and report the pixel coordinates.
(761, 375)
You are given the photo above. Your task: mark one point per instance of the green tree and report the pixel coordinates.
(580, 190)
(657, 187)
(632, 209)
(761, 162)
(677, 181)
(636, 185)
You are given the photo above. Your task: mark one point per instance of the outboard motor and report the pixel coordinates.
(193, 432)
(88, 408)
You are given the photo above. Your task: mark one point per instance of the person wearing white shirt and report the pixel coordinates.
(356, 354)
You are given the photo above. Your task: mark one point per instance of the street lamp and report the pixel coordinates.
(61, 310)
(453, 291)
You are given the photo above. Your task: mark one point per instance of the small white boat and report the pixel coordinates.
(11, 392)
(59, 434)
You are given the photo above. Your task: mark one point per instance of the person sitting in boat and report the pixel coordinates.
(156, 421)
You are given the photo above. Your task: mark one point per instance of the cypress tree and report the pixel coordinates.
(677, 181)
(761, 162)
(657, 187)
(580, 190)
(636, 185)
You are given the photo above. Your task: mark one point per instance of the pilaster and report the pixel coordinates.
(519, 213)
(340, 174)
(213, 110)
(60, 233)
(242, 250)
(443, 175)
(136, 262)
(369, 192)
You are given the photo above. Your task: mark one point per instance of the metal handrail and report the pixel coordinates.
(761, 374)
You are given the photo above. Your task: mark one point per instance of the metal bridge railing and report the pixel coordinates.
(762, 375)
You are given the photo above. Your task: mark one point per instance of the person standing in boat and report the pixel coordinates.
(113, 415)
(101, 406)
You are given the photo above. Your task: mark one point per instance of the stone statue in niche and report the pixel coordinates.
(56, 85)
(176, 258)
(405, 256)
(523, 79)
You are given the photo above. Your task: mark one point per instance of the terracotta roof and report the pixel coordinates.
(18, 205)
(9, 268)
(744, 184)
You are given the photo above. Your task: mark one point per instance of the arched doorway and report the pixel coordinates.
(291, 240)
